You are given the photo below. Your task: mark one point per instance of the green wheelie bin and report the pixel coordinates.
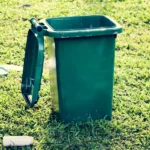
(81, 63)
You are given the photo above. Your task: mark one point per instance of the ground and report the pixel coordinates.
(130, 125)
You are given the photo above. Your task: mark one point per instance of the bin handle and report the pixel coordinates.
(36, 25)
(33, 64)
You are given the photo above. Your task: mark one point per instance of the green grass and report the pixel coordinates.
(130, 126)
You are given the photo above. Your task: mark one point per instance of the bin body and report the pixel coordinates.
(85, 67)
(82, 82)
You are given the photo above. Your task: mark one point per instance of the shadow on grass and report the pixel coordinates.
(83, 135)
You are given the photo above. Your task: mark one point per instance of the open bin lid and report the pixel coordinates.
(33, 66)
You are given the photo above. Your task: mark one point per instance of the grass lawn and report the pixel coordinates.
(130, 125)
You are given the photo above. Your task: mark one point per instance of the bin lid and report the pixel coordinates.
(79, 26)
(33, 67)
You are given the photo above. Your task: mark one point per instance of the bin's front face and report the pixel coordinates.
(85, 69)
(84, 53)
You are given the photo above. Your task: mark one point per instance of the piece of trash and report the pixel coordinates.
(25, 5)
(3, 71)
(12, 67)
(17, 141)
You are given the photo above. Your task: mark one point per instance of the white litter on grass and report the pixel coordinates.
(2, 71)
(12, 67)
(17, 141)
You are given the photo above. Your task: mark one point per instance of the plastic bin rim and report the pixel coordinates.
(116, 29)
